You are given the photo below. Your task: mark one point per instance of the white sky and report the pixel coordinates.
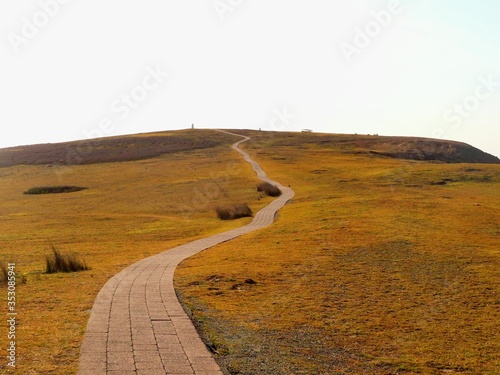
(253, 63)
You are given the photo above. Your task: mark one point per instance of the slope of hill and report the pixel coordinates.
(131, 210)
(116, 149)
(111, 149)
(379, 266)
(410, 148)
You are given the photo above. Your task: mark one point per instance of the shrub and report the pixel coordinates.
(4, 273)
(269, 189)
(59, 262)
(234, 211)
(54, 189)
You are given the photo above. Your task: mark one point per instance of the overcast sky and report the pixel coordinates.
(75, 69)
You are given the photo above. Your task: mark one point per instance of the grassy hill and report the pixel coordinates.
(110, 149)
(407, 148)
(380, 265)
(138, 147)
(130, 210)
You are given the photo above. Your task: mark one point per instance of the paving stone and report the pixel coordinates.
(145, 348)
(151, 372)
(179, 369)
(121, 366)
(151, 365)
(170, 348)
(204, 364)
(167, 339)
(95, 371)
(120, 357)
(146, 356)
(93, 366)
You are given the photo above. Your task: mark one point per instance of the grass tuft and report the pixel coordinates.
(269, 189)
(59, 262)
(234, 211)
(4, 273)
(54, 189)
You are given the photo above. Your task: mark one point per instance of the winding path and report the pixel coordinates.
(137, 325)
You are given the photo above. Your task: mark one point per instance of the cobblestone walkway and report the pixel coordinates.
(138, 327)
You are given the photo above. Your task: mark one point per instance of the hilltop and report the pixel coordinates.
(143, 146)
(406, 148)
(111, 149)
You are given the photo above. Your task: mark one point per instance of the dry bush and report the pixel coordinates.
(269, 189)
(234, 211)
(54, 189)
(4, 273)
(59, 262)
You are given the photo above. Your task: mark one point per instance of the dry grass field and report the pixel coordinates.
(130, 210)
(380, 265)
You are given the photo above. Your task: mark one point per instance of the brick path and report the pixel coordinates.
(137, 326)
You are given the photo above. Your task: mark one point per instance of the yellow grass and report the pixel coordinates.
(372, 269)
(130, 211)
